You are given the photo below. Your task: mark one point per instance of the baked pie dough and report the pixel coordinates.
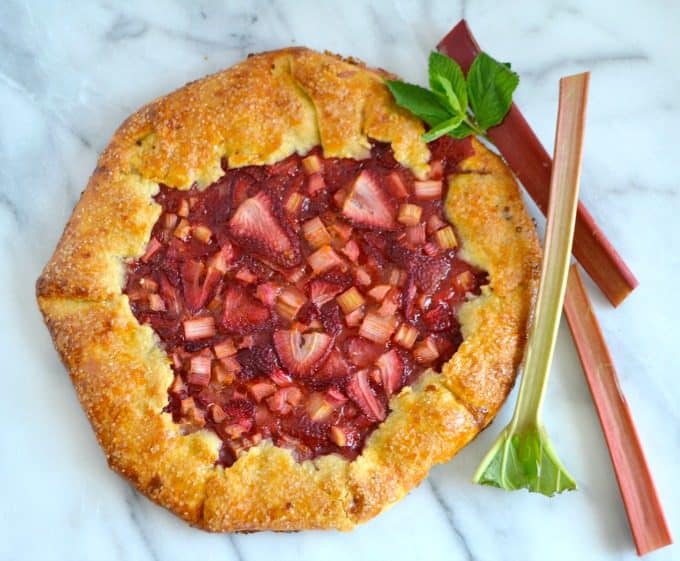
(279, 307)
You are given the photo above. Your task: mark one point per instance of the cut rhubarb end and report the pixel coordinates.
(410, 214)
(325, 259)
(350, 300)
(426, 351)
(406, 336)
(377, 328)
(315, 232)
(199, 328)
(530, 162)
(312, 164)
(428, 190)
(289, 302)
(445, 238)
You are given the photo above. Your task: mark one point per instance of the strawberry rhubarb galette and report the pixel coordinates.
(279, 306)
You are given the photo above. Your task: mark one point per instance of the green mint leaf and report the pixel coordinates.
(449, 97)
(462, 131)
(445, 127)
(419, 101)
(444, 70)
(490, 85)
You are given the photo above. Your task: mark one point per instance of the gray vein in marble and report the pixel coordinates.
(11, 207)
(588, 62)
(449, 517)
(43, 108)
(636, 188)
(132, 500)
(235, 547)
(126, 28)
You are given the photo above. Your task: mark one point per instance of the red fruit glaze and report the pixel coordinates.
(250, 313)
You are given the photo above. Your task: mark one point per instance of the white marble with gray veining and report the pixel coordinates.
(71, 72)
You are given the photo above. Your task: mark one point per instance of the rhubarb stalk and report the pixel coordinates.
(523, 456)
(530, 162)
(645, 514)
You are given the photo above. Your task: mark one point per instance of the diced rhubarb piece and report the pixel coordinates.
(261, 390)
(390, 303)
(415, 235)
(297, 274)
(224, 348)
(254, 223)
(377, 328)
(170, 220)
(350, 300)
(391, 368)
(318, 408)
(221, 260)
(294, 202)
(406, 335)
(340, 231)
(322, 292)
(463, 282)
(267, 293)
(354, 319)
(289, 301)
(427, 190)
(431, 249)
(230, 364)
(315, 233)
(315, 183)
(183, 209)
(379, 291)
(202, 233)
(436, 169)
(198, 378)
(147, 283)
(280, 401)
(396, 277)
(156, 303)
(366, 205)
(325, 259)
(246, 275)
(280, 378)
(409, 214)
(177, 384)
(151, 249)
(434, 223)
(216, 413)
(242, 312)
(351, 251)
(183, 230)
(362, 276)
(360, 391)
(396, 185)
(312, 164)
(426, 352)
(301, 354)
(199, 328)
(338, 436)
(446, 238)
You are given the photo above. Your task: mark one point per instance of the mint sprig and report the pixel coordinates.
(455, 105)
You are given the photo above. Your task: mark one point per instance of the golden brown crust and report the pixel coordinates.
(259, 112)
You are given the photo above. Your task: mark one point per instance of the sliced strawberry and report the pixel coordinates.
(301, 354)
(331, 318)
(362, 352)
(360, 391)
(366, 204)
(242, 313)
(191, 283)
(391, 368)
(430, 272)
(334, 370)
(254, 224)
(321, 291)
(439, 318)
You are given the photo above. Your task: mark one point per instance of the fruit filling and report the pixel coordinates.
(294, 300)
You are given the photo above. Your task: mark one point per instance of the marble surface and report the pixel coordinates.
(71, 72)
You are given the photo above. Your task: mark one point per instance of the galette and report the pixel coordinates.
(279, 306)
